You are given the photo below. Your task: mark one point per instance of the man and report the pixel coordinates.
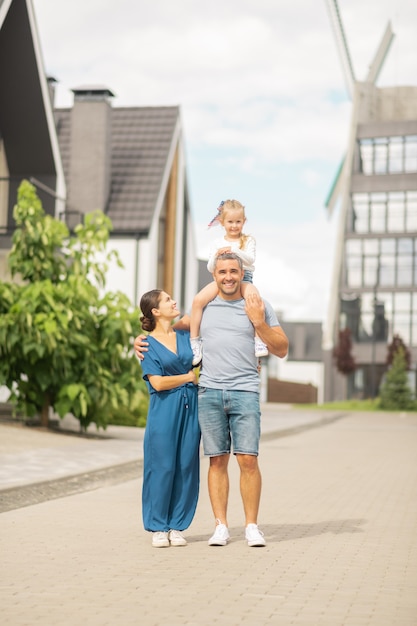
(228, 397)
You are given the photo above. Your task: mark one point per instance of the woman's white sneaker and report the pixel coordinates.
(254, 536)
(176, 538)
(160, 539)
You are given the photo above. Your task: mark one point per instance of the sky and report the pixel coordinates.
(264, 108)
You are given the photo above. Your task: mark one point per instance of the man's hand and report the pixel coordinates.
(255, 309)
(274, 336)
(140, 345)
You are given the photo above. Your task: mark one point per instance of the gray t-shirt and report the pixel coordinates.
(228, 337)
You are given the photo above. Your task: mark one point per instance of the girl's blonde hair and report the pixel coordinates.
(233, 205)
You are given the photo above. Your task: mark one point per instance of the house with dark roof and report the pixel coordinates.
(128, 162)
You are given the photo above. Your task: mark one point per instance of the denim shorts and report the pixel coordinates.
(229, 419)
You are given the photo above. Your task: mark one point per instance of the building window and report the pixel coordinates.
(381, 316)
(388, 212)
(388, 155)
(382, 262)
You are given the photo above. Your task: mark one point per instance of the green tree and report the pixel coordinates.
(63, 344)
(395, 392)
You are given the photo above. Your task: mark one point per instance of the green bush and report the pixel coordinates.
(65, 342)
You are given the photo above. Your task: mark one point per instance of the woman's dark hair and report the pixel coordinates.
(149, 300)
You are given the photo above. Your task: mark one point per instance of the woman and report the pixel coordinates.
(172, 435)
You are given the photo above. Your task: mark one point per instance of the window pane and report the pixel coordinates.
(370, 246)
(360, 218)
(396, 215)
(405, 246)
(387, 271)
(367, 302)
(410, 164)
(366, 152)
(381, 155)
(411, 216)
(415, 271)
(388, 246)
(359, 379)
(401, 302)
(354, 271)
(353, 247)
(395, 155)
(370, 278)
(405, 271)
(377, 217)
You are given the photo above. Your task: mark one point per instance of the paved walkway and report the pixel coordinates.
(339, 512)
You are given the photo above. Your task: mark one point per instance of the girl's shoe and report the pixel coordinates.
(197, 348)
(260, 348)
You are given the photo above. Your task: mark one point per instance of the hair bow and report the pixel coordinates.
(215, 219)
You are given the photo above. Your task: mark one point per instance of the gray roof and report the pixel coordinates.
(141, 140)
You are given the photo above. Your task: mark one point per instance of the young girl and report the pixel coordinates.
(231, 215)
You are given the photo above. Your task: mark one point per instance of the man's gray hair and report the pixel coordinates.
(228, 256)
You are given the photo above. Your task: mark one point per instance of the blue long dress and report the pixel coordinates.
(171, 444)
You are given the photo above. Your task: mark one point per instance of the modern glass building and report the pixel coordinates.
(374, 290)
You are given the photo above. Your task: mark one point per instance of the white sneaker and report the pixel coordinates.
(254, 536)
(160, 539)
(260, 348)
(221, 535)
(197, 348)
(176, 538)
